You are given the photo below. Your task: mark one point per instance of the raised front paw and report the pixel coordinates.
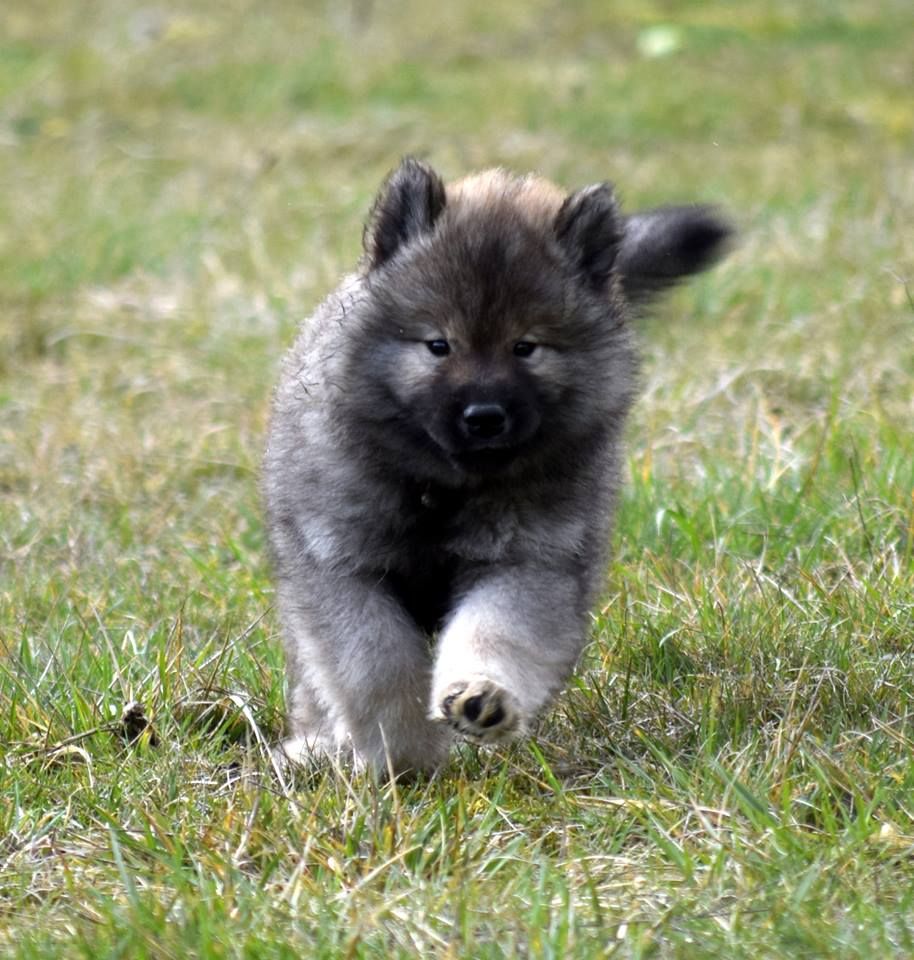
(479, 709)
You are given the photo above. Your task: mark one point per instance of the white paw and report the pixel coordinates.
(479, 709)
(307, 751)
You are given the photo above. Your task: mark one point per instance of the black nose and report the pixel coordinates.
(485, 420)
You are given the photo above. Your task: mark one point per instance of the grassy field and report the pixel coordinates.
(731, 774)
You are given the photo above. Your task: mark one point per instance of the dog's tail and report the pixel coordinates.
(663, 246)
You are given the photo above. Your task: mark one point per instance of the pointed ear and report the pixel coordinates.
(407, 206)
(661, 247)
(588, 227)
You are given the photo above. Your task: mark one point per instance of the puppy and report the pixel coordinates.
(444, 457)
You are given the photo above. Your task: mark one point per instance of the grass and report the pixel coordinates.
(731, 772)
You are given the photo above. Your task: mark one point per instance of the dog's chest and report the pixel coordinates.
(443, 534)
(453, 524)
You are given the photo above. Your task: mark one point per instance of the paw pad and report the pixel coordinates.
(479, 709)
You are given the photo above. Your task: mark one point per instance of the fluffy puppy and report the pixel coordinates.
(444, 457)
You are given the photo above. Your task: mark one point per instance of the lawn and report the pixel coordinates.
(731, 772)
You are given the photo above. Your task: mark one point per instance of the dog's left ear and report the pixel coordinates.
(406, 207)
(588, 227)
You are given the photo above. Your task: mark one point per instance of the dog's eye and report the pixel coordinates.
(524, 348)
(440, 348)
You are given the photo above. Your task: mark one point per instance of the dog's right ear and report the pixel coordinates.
(406, 207)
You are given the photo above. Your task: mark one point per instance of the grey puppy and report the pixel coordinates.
(444, 457)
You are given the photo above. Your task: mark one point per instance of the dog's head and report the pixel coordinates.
(494, 320)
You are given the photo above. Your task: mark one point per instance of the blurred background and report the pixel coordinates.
(730, 772)
(182, 182)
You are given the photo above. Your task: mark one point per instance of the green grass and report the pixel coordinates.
(731, 772)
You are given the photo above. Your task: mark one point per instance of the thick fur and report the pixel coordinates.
(444, 457)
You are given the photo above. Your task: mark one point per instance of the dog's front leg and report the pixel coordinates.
(359, 672)
(506, 651)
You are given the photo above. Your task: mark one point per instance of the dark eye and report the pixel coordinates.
(440, 348)
(523, 348)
